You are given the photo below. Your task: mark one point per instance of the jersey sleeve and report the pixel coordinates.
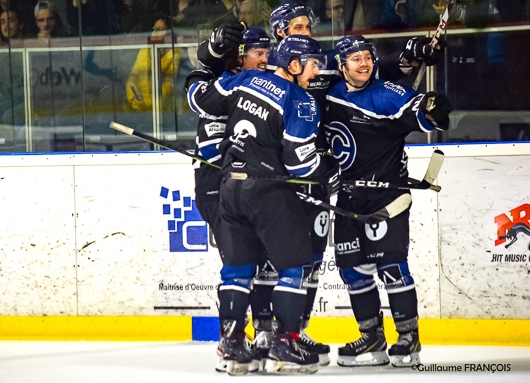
(301, 119)
(209, 99)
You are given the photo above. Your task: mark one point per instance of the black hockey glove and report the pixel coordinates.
(437, 53)
(416, 50)
(330, 178)
(437, 106)
(226, 37)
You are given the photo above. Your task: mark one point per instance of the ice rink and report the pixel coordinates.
(131, 362)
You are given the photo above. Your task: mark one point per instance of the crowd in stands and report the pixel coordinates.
(45, 20)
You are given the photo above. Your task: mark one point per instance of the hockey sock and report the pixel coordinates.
(233, 304)
(404, 305)
(365, 305)
(260, 302)
(288, 309)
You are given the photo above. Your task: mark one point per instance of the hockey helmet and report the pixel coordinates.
(350, 44)
(283, 14)
(254, 37)
(301, 47)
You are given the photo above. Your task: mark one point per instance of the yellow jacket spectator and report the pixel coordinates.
(140, 82)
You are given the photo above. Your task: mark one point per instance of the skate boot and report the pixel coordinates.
(369, 350)
(405, 352)
(309, 344)
(235, 349)
(262, 341)
(287, 357)
(222, 364)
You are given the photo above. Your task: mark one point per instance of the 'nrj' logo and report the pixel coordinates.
(187, 229)
(509, 229)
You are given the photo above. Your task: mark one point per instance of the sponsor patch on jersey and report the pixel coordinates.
(305, 151)
(395, 88)
(214, 128)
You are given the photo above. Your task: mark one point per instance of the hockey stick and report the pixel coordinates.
(398, 206)
(426, 183)
(434, 41)
(163, 143)
(435, 164)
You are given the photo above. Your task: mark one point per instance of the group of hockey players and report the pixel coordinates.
(269, 114)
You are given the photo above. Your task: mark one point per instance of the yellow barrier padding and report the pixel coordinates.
(134, 328)
(484, 332)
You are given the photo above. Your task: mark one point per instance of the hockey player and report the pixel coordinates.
(366, 122)
(272, 125)
(285, 20)
(252, 53)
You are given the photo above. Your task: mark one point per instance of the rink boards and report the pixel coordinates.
(111, 246)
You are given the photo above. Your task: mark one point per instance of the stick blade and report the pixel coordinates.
(122, 128)
(435, 164)
(399, 205)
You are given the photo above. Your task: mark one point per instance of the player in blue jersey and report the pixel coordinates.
(270, 130)
(366, 122)
(252, 53)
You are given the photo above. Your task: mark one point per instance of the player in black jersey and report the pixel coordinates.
(366, 122)
(270, 130)
(251, 53)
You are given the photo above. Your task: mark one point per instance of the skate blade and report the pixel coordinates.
(234, 368)
(286, 368)
(323, 359)
(405, 360)
(254, 366)
(376, 358)
(221, 364)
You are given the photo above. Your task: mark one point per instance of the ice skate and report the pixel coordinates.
(287, 357)
(309, 344)
(234, 350)
(369, 349)
(222, 364)
(405, 352)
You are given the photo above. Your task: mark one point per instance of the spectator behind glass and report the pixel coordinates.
(255, 12)
(48, 21)
(361, 14)
(12, 28)
(194, 12)
(140, 15)
(98, 17)
(333, 20)
(139, 86)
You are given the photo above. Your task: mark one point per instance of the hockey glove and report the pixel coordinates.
(416, 50)
(437, 53)
(330, 179)
(437, 107)
(226, 37)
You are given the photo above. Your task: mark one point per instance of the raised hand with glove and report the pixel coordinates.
(419, 49)
(436, 107)
(225, 38)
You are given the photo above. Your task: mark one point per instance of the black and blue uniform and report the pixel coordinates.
(366, 131)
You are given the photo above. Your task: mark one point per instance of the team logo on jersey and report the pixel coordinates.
(342, 144)
(306, 110)
(187, 230)
(321, 225)
(376, 231)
